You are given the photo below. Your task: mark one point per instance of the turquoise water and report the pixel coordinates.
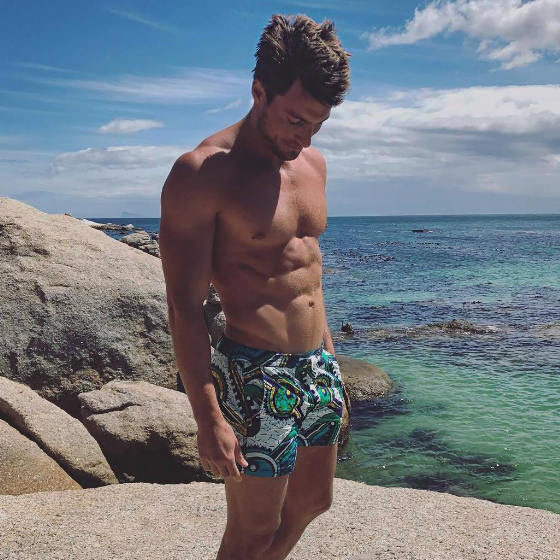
(475, 413)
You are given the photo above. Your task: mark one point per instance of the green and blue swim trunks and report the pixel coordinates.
(277, 402)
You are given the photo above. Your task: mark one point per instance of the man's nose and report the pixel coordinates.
(305, 137)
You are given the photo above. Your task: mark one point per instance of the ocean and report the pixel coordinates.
(476, 410)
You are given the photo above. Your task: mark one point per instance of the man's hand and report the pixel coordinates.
(218, 449)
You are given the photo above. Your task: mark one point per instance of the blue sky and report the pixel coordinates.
(453, 107)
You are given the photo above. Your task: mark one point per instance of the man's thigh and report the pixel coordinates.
(310, 485)
(254, 504)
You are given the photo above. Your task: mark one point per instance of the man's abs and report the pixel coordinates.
(273, 299)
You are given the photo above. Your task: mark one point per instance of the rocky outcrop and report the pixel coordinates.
(186, 522)
(79, 308)
(26, 468)
(147, 433)
(462, 327)
(143, 241)
(62, 437)
(111, 226)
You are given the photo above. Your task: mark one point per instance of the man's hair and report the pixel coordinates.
(293, 47)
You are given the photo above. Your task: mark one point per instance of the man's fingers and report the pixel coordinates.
(233, 471)
(209, 467)
(239, 456)
(223, 472)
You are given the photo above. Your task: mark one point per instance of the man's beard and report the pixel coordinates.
(268, 140)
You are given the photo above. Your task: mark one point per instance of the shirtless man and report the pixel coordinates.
(244, 210)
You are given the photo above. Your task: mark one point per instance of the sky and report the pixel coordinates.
(454, 106)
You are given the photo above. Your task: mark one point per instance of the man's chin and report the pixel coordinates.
(290, 156)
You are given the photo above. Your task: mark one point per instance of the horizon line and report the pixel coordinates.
(362, 215)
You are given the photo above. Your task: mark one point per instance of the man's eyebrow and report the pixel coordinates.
(292, 114)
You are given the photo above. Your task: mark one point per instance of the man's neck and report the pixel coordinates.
(249, 146)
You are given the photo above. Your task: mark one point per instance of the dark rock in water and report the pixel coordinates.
(479, 465)
(438, 482)
(362, 257)
(422, 230)
(457, 325)
(347, 328)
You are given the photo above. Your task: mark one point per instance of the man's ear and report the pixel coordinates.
(258, 91)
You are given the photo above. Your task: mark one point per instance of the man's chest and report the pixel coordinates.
(265, 210)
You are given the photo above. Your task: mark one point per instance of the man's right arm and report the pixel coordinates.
(189, 206)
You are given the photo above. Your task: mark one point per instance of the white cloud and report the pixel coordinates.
(36, 66)
(511, 32)
(503, 139)
(116, 157)
(128, 126)
(133, 16)
(232, 105)
(193, 85)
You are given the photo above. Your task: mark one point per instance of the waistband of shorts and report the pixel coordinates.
(232, 348)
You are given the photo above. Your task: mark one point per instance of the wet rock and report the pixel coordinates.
(363, 381)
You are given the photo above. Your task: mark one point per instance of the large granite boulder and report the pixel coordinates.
(186, 522)
(61, 436)
(79, 308)
(147, 433)
(26, 468)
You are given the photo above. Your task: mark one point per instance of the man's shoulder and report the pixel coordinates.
(203, 158)
(316, 159)
(196, 175)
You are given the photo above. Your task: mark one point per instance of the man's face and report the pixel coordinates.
(288, 123)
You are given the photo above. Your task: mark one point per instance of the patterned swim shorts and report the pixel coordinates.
(276, 402)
